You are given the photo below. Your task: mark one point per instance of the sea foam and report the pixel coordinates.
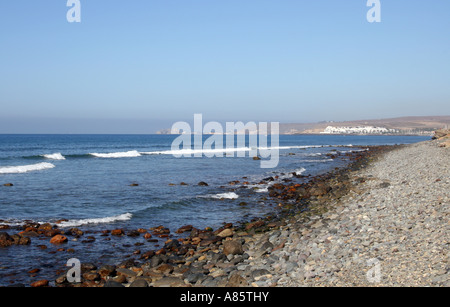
(25, 168)
(104, 220)
(55, 156)
(229, 195)
(128, 154)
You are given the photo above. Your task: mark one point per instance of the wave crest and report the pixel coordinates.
(127, 154)
(103, 220)
(25, 168)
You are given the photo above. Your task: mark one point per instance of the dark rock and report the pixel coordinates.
(133, 233)
(236, 280)
(202, 183)
(106, 270)
(126, 272)
(185, 228)
(113, 284)
(88, 267)
(195, 277)
(5, 240)
(8, 185)
(232, 247)
(155, 261)
(139, 283)
(257, 273)
(171, 244)
(91, 276)
(384, 185)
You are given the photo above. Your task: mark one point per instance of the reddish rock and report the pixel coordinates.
(91, 276)
(34, 271)
(254, 225)
(147, 236)
(58, 239)
(40, 283)
(184, 229)
(117, 232)
(5, 240)
(45, 227)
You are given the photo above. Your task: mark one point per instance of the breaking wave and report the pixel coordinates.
(55, 156)
(25, 168)
(128, 154)
(104, 220)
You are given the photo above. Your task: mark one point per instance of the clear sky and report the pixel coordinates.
(139, 65)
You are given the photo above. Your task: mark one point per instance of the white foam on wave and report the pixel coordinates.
(300, 171)
(196, 151)
(127, 154)
(25, 168)
(55, 156)
(318, 161)
(229, 195)
(189, 151)
(104, 220)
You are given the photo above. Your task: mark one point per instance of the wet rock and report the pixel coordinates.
(8, 185)
(117, 232)
(21, 240)
(91, 276)
(133, 233)
(106, 270)
(40, 283)
(5, 240)
(185, 228)
(58, 239)
(202, 183)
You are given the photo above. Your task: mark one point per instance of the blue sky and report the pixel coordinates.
(137, 66)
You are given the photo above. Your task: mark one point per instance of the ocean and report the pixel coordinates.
(98, 182)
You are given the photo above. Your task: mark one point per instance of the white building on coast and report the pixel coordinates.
(358, 130)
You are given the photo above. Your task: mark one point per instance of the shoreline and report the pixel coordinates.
(240, 255)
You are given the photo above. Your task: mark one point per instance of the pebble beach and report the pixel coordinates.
(394, 223)
(381, 221)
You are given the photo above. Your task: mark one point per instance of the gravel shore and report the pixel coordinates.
(381, 221)
(392, 229)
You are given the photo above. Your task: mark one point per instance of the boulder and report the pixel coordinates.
(232, 247)
(5, 240)
(202, 183)
(58, 239)
(117, 232)
(226, 233)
